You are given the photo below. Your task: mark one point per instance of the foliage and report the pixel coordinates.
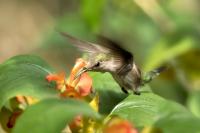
(158, 33)
(54, 114)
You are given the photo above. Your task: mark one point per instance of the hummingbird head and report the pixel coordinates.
(99, 63)
(90, 67)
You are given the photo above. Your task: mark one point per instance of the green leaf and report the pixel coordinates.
(193, 102)
(178, 123)
(109, 91)
(51, 116)
(24, 75)
(145, 109)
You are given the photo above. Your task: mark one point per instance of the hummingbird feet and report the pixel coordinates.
(137, 93)
(124, 90)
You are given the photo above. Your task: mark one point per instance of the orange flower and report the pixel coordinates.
(59, 78)
(25, 100)
(118, 125)
(76, 124)
(76, 88)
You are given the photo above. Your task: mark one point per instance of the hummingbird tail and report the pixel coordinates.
(149, 76)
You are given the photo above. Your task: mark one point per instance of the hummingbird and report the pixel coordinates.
(110, 57)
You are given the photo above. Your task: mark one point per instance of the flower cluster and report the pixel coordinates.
(74, 88)
(80, 89)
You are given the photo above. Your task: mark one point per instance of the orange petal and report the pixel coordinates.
(117, 125)
(55, 77)
(77, 122)
(80, 63)
(70, 92)
(26, 100)
(59, 78)
(21, 99)
(52, 77)
(84, 86)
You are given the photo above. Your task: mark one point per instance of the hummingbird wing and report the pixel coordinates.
(118, 54)
(84, 46)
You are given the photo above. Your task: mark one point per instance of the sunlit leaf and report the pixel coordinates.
(184, 16)
(52, 116)
(163, 51)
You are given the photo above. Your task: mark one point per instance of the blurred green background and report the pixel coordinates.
(158, 32)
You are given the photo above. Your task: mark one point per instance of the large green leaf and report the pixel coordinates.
(145, 109)
(51, 116)
(178, 123)
(24, 75)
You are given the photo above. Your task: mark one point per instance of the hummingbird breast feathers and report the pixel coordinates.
(131, 80)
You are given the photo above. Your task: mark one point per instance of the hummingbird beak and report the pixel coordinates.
(84, 69)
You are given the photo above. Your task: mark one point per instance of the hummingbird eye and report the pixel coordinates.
(98, 64)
